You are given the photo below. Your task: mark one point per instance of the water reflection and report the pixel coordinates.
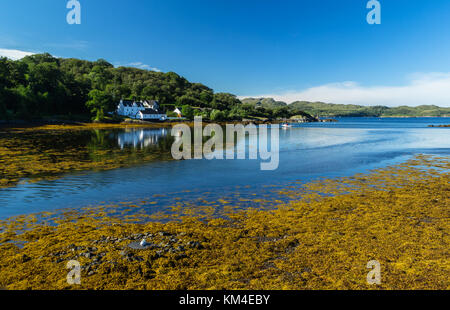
(307, 152)
(134, 141)
(141, 138)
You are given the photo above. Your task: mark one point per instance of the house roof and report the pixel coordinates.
(139, 104)
(151, 102)
(127, 103)
(149, 111)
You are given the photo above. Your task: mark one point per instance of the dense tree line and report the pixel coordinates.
(42, 86)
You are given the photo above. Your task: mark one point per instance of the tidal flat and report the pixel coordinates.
(323, 239)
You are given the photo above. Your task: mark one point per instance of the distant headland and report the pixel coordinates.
(349, 110)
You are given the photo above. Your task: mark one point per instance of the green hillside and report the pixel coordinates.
(42, 86)
(332, 110)
(336, 110)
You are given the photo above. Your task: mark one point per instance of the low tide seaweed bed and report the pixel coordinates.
(324, 239)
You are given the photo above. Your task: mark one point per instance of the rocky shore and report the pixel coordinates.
(130, 248)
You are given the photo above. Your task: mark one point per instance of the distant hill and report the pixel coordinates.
(335, 110)
(268, 103)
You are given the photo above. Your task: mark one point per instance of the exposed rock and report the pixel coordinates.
(25, 258)
(138, 246)
(195, 245)
(164, 234)
(87, 255)
(157, 255)
(181, 256)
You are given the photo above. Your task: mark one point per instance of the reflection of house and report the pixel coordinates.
(140, 137)
(147, 110)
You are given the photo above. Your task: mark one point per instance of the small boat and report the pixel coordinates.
(285, 126)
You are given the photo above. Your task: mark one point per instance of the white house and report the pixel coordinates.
(147, 110)
(151, 104)
(129, 108)
(150, 114)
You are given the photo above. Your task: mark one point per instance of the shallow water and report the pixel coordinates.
(307, 152)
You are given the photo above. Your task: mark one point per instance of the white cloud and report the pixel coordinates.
(14, 54)
(422, 89)
(141, 65)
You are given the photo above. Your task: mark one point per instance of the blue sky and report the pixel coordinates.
(306, 50)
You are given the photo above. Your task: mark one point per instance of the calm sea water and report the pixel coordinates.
(307, 152)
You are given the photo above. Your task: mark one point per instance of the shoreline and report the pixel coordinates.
(295, 246)
(439, 126)
(132, 124)
(63, 124)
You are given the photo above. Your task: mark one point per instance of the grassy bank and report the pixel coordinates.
(324, 240)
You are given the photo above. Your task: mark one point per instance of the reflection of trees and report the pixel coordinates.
(141, 138)
(99, 140)
(140, 142)
(239, 140)
(132, 143)
(44, 153)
